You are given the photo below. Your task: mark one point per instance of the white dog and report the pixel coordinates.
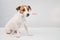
(15, 22)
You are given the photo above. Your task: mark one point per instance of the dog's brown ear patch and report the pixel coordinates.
(18, 8)
(29, 7)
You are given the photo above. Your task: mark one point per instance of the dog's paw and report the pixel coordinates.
(17, 36)
(29, 34)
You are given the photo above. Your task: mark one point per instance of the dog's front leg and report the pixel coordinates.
(26, 28)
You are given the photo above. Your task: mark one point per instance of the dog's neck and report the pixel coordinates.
(22, 16)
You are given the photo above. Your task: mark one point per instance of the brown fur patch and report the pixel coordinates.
(20, 8)
(9, 32)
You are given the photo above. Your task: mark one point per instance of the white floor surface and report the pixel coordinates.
(37, 34)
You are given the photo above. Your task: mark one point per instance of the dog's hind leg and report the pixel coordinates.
(9, 31)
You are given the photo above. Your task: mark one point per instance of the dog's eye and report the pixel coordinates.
(23, 10)
(28, 9)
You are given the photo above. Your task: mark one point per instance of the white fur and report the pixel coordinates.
(15, 22)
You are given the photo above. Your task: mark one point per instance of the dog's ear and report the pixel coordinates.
(29, 7)
(18, 8)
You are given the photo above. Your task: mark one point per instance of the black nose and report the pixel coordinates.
(27, 15)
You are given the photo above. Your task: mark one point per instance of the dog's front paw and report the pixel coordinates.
(29, 34)
(18, 35)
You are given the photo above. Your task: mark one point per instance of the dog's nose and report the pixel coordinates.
(27, 14)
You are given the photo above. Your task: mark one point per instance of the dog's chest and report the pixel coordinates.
(19, 19)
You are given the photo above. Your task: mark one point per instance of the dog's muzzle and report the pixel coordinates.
(27, 15)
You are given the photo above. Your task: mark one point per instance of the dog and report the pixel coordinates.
(13, 25)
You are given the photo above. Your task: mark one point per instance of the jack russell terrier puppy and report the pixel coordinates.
(15, 22)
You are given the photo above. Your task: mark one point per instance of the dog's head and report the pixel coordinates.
(24, 9)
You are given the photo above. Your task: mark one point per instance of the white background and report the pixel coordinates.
(44, 26)
(48, 12)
